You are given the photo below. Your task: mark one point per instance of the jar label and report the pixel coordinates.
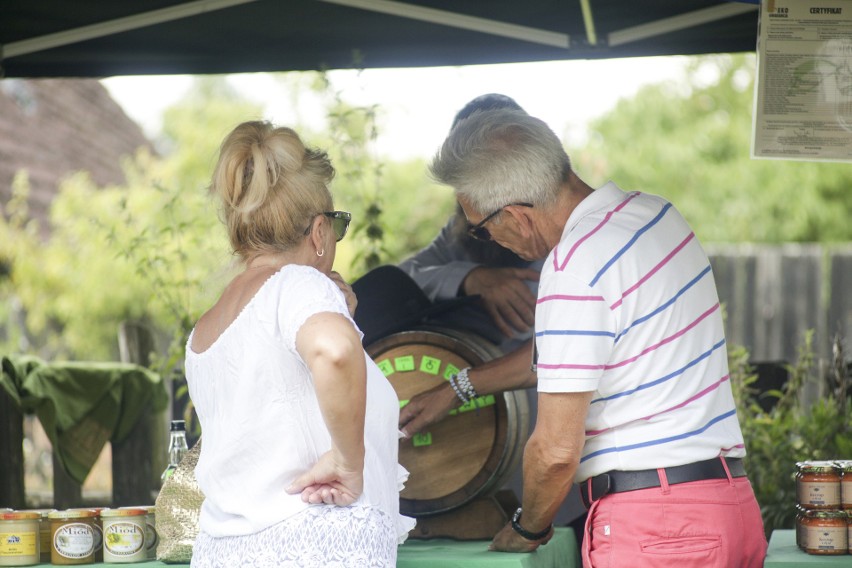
(150, 537)
(18, 544)
(846, 492)
(123, 539)
(99, 537)
(818, 494)
(826, 538)
(74, 540)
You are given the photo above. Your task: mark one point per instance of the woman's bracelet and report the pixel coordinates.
(464, 384)
(457, 390)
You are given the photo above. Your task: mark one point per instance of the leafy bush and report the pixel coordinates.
(794, 429)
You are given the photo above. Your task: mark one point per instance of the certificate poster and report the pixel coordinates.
(803, 88)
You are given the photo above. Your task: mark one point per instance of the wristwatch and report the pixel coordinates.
(516, 525)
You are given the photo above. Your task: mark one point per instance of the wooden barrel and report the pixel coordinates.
(473, 451)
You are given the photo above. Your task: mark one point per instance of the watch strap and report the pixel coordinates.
(516, 526)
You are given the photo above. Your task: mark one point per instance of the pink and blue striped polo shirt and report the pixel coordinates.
(628, 308)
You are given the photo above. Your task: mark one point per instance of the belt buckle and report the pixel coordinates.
(597, 487)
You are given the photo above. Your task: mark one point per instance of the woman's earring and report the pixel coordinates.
(320, 253)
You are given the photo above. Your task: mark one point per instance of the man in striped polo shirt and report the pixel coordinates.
(635, 402)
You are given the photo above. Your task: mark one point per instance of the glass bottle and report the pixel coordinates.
(177, 447)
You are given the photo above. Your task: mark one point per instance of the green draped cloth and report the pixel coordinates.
(82, 405)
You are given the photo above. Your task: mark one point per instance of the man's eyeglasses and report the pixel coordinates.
(339, 223)
(480, 232)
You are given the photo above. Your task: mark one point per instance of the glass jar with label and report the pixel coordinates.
(818, 485)
(150, 530)
(800, 527)
(99, 534)
(826, 532)
(845, 484)
(99, 531)
(44, 533)
(849, 530)
(19, 538)
(72, 537)
(124, 535)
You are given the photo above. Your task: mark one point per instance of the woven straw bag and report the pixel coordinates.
(178, 507)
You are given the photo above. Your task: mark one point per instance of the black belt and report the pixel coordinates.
(619, 481)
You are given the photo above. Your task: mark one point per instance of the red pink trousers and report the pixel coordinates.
(712, 523)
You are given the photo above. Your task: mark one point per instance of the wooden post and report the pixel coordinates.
(132, 458)
(135, 343)
(12, 449)
(131, 465)
(67, 493)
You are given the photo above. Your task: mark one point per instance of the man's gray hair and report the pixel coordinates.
(498, 157)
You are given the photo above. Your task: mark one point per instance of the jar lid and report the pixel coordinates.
(73, 514)
(20, 516)
(845, 465)
(107, 513)
(818, 466)
(832, 514)
(42, 512)
(147, 508)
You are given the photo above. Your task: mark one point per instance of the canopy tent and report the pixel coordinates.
(93, 38)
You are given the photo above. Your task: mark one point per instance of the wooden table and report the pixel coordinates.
(783, 553)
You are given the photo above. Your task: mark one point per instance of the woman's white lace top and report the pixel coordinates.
(260, 417)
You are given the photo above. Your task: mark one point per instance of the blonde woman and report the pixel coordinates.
(294, 470)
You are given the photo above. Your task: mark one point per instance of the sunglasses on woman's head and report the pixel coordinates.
(339, 223)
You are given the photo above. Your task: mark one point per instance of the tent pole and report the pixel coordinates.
(118, 25)
(680, 22)
(455, 20)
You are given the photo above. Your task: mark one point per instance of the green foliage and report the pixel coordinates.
(352, 131)
(692, 146)
(153, 251)
(395, 208)
(143, 251)
(138, 252)
(795, 428)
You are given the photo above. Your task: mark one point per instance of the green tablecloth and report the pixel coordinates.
(560, 552)
(81, 405)
(783, 553)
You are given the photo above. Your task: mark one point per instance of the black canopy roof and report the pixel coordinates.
(97, 38)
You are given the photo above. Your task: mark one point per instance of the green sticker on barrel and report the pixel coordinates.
(386, 367)
(405, 363)
(478, 402)
(430, 365)
(450, 371)
(422, 439)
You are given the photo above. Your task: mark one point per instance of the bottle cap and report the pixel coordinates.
(178, 425)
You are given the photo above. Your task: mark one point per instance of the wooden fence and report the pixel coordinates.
(773, 294)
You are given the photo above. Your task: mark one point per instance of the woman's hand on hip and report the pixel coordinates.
(330, 481)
